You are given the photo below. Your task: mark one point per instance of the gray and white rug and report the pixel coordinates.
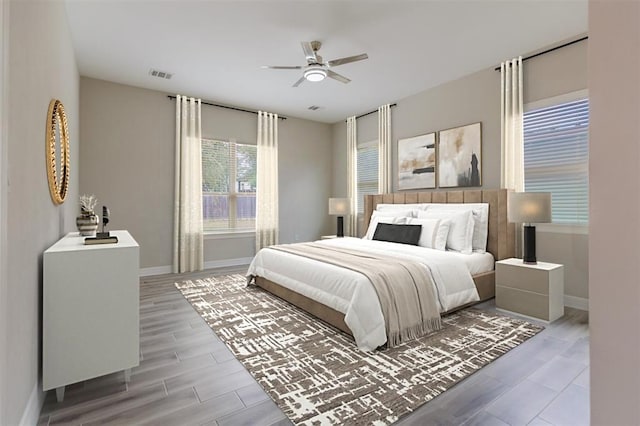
(316, 374)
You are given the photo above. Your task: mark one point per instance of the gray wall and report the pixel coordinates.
(572, 251)
(614, 259)
(127, 161)
(4, 165)
(42, 66)
(474, 98)
(127, 154)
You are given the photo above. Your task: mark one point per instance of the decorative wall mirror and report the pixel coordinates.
(57, 147)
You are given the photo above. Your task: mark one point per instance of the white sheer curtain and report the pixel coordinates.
(512, 140)
(384, 149)
(267, 181)
(352, 175)
(187, 231)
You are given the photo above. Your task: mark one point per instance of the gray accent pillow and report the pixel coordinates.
(403, 234)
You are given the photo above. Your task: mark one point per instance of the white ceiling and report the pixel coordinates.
(215, 48)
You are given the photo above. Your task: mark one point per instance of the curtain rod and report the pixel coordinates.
(228, 107)
(551, 49)
(371, 112)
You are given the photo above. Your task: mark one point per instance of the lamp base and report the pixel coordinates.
(340, 230)
(529, 250)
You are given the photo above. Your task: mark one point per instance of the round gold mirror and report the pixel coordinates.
(57, 146)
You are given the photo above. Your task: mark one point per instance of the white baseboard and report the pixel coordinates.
(155, 270)
(576, 302)
(31, 412)
(162, 270)
(227, 262)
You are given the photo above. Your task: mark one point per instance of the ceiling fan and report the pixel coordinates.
(316, 69)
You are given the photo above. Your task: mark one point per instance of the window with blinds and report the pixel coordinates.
(556, 158)
(367, 168)
(228, 186)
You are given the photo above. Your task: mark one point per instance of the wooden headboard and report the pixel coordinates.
(501, 239)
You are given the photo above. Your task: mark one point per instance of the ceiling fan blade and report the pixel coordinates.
(337, 76)
(347, 60)
(309, 53)
(278, 67)
(297, 83)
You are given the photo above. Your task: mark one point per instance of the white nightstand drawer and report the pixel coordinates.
(529, 279)
(523, 302)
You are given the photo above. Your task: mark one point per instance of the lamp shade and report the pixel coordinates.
(339, 206)
(529, 207)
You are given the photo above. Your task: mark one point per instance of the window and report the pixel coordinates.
(367, 167)
(556, 156)
(228, 186)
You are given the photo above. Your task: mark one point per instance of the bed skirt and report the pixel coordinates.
(485, 284)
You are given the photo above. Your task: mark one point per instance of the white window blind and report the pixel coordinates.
(367, 172)
(556, 158)
(228, 186)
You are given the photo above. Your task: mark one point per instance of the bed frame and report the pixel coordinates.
(500, 243)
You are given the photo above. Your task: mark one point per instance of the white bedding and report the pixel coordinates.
(477, 263)
(352, 294)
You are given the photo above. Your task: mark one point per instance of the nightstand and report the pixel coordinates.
(533, 290)
(327, 237)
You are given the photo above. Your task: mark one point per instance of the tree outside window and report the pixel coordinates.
(228, 186)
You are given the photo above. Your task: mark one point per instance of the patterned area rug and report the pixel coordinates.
(316, 374)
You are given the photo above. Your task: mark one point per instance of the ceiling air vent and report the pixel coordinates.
(160, 74)
(314, 107)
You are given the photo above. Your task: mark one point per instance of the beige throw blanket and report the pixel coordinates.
(404, 288)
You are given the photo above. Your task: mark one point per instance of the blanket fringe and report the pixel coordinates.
(428, 326)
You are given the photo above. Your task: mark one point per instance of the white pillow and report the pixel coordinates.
(434, 232)
(381, 219)
(480, 213)
(387, 207)
(394, 213)
(461, 230)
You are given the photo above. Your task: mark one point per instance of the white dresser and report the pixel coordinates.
(90, 313)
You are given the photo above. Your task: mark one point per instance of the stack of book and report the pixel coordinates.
(101, 240)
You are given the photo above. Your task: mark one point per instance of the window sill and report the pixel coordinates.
(228, 235)
(563, 228)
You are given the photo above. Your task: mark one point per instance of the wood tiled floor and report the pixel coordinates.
(188, 376)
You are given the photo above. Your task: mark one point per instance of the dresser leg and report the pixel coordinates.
(127, 375)
(60, 393)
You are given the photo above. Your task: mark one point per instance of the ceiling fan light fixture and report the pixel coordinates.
(315, 74)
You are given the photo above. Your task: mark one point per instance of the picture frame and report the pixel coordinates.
(460, 156)
(417, 162)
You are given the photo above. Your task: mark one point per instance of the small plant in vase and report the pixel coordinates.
(87, 222)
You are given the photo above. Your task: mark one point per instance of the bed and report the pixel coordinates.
(297, 284)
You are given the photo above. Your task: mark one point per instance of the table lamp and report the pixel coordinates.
(528, 208)
(339, 207)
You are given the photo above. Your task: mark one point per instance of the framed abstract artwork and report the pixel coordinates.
(417, 162)
(460, 156)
